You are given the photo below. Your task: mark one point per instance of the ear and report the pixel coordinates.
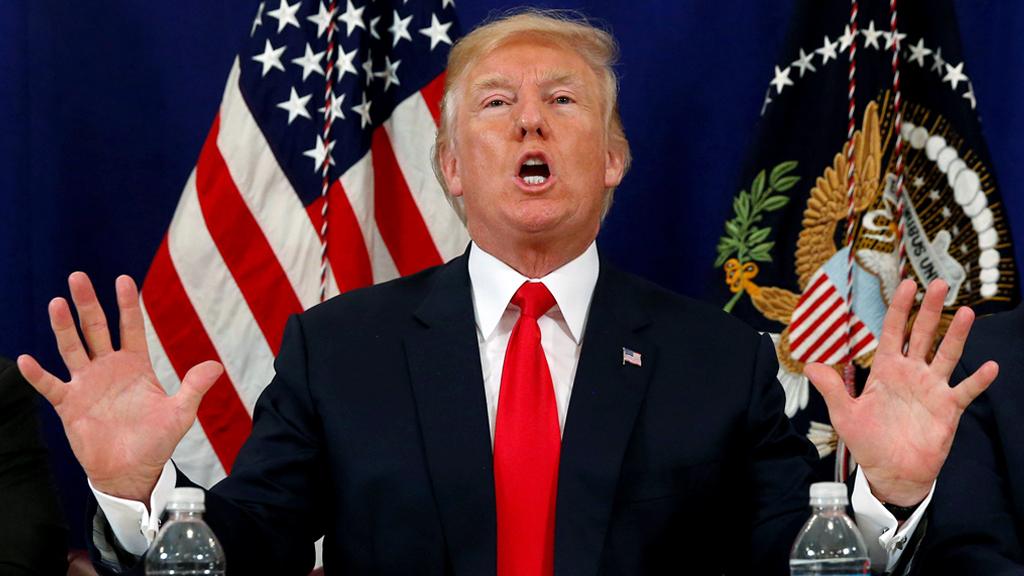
(450, 169)
(614, 165)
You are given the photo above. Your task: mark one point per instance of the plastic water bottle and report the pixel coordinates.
(830, 543)
(185, 545)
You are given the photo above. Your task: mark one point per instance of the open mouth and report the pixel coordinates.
(534, 171)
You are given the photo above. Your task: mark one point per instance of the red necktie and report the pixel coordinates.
(527, 443)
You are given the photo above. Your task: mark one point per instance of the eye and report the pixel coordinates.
(494, 103)
(563, 100)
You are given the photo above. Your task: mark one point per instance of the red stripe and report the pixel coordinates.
(817, 322)
(181, 333)
(863, 342)
(433, 93)
(346, 248)
(841, 342)
(398, 218)
(241, 242)
(807, 294)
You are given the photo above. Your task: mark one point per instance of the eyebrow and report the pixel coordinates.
(552, 77)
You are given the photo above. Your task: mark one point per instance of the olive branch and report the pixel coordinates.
(742, 236)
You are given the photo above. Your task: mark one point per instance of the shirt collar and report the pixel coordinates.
(494, 283)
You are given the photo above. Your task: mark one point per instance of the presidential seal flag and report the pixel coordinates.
(869, 167)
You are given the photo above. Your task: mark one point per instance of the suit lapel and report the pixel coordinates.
(447, 382)
(606, 397)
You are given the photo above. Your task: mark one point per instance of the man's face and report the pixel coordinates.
(530, 154)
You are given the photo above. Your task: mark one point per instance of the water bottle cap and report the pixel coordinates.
(190, 499)
(829, 494)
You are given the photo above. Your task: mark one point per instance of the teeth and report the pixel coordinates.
(534, 180)
(534, 162)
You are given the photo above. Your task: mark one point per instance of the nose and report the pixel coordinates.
(531, 120)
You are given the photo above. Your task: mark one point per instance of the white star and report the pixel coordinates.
(364, 111)
(781, 79)
(310, 62)
(871, 35)
(320, 153)
(846, 39)
(955, 74)
(335, 112)
(969, 95)
(939, 62)
(935, 195)
(353, 18)
(918, 52)
(899, 36)
(438, 33)
(803, 62)
(399, 29)
(285, 15)
(827, 50)
(270, 58)
(389, 73)
(296, 106)
(258, 21)
(918, 182)
(368, 67)
(322, 19)
(373, 27)
(445, 3)
(344, 63)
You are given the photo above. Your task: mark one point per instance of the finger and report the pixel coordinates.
(952, 345)
(68, 343)
(51, 387)
(133, 328)
(895, 325)
(196, 383)
(922, 336)
(90, 314)
(830, 385)
(975, 384)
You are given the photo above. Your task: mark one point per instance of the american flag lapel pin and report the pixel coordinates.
(631, 357)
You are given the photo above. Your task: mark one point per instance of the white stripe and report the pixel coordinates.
(268, 194)
(411, 130)
(218, 302)
(837, 332)
(194, 455)
(828, 324)
(357, 182)
(807, 306)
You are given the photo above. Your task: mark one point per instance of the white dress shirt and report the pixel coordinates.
(562, 327)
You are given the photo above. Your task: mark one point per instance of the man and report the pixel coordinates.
(470, 420)
(977, 521)
(33, 536)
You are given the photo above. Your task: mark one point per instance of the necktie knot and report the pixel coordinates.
(533, 299)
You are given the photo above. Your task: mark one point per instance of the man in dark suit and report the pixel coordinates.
(525, 409)
(33, 534)
(977, 519)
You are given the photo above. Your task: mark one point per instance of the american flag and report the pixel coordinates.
(243, 251)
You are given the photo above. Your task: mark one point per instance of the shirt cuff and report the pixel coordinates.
(884, 537)
(134, 525)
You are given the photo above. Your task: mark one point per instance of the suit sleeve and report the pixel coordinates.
(972, 530)
(780, 469)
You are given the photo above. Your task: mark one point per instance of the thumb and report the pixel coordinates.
(196, 383)
(830, 385)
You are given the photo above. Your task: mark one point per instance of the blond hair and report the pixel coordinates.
(564, 28)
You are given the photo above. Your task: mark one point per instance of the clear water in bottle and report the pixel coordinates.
(829, 543)
(185, 546)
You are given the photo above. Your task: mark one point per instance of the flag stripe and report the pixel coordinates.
(396, 214)
(221, 413)
(268, 193)
(432, 94)
(357, 183)
(346, 249)
(833, 302)
(241, 242)
(808, 301)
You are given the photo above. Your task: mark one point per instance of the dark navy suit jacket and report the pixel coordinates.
(977, 513)
(375, 432)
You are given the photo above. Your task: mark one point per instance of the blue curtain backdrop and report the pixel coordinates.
(104, 107)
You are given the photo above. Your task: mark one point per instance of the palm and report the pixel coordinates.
(901, 428)
(120, 423)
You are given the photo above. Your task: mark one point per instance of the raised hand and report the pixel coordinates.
(120, 423)
(901, 427)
